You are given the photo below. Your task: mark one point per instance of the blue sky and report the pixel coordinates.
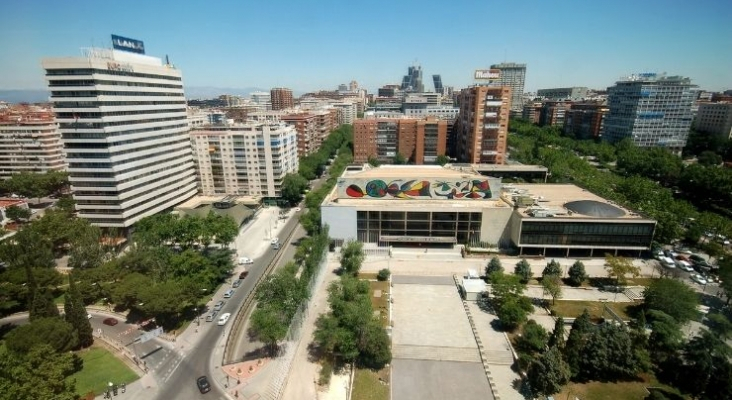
(308, 45)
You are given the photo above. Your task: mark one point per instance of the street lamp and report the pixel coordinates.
(195, 310)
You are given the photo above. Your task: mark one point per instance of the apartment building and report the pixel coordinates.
(513, 75)
(123, 120)
(417, 140)
(482, 125)
(532, 112)
(715, 118)
(244, 159)
(308, 132)
(572, 93)
(651, 109)
(29, 141)
(281, 98)
(585, 120)
(553, 113)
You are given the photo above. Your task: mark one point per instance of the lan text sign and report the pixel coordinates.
(487, 74)
(127, 44)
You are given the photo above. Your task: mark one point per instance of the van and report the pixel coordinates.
(229, 293)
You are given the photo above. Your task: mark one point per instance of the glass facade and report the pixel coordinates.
(372, 226)
(587, 234)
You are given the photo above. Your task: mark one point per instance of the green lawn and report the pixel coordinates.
(366, 385)
(380, 304)
(573, 309)
(100, 367)
(612, 390)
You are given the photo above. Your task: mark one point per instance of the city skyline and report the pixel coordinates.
(307, 47)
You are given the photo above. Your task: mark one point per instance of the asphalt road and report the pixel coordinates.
(204, 358)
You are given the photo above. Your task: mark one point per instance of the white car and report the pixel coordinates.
(685, 266)
(699, 279)
(245, 260)
(224, 319)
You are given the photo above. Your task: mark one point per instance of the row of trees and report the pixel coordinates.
(566, 159)
(350, 331)
(34, 186)
(281, 294)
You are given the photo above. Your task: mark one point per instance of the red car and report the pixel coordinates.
(110, 321)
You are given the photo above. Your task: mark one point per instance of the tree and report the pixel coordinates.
(66, 203)
(293, 186)
(41, 304)
(18, 213)
(523, 271)
(352, 257)
(619, 268)
(574, 348)
(577, 274)
(494, 265)
(504, 286)
(513, 311)
(373, 161)
(27, 249)
(556, 339)
(709, 158)
(76, 315)
(39, 374)
(399, 159)
(609, 354)
(442, 159)
(672, 297)
(269, 326)
(548, 373)
(666, 336)
(533, 338)
(552, 268)
(53, 331)
(87, 249)
(552, 285)
(704, 356)
(720, 325)
(374, 347)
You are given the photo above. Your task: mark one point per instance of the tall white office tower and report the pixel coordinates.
(122, 117)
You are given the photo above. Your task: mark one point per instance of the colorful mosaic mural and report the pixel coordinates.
(421, 189)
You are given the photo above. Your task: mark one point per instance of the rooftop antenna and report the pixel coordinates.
(167, 61)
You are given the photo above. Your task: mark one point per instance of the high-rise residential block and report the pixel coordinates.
(308, 132)
(585, 120)
(532, 112)
(553, 113)
(571, 93)
(123, 122)
(715, 118)
(417, 140)
(281, 98)
(244, 159)
(29, 141)
(513, 75)
(650, 109)
(482, 124)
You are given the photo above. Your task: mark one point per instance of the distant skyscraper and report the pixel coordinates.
(281, 98)
(651, 109)
(513, 75)
(482, 125)
(353, 86)
(437, 79)
(123, 121)
(412, 81)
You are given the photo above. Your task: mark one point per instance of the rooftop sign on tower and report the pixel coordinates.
(127, 44)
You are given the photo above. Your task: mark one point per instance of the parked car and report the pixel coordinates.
(203, 385)
(224, 319)
(698, 279)
(219, 305)
(668, 262)
(110, 321)
(229, 293)
(245, 261)
(243, 274)
(210, 317)
(685, 266)
(236, 283)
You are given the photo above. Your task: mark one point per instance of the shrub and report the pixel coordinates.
(383, 274)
